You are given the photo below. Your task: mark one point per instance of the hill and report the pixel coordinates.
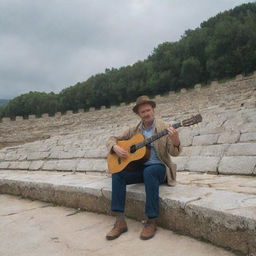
(221, 48)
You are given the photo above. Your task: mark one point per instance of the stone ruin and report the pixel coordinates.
(225, 140)
(46, 158)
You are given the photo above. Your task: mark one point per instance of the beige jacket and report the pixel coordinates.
(163, 146)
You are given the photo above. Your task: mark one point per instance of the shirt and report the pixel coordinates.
(153, 156)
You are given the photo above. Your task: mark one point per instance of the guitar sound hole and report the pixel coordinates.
(133, 149)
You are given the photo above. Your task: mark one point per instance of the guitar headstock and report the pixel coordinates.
(192, 120)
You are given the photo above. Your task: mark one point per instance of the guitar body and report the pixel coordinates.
(117, 164)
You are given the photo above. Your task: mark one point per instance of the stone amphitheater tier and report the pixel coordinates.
(47, 158)
(224, 143)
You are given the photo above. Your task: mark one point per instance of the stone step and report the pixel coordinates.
(218, 209)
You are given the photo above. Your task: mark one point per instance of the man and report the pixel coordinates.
(157, 170)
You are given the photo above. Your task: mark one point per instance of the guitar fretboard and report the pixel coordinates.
(155, 137)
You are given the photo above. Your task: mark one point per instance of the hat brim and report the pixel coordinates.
(150, 102)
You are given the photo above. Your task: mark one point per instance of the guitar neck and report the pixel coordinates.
(156, 136)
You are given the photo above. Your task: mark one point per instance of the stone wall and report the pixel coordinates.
(225, 142)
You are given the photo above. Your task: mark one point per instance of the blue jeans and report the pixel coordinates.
(152, 176)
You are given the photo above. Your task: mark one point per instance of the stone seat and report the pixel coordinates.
(216, 208)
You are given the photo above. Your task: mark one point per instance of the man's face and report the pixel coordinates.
(146, 113)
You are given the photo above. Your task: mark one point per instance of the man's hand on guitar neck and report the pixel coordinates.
(174, 135)
(120, 151)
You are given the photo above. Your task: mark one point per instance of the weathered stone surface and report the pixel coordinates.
(19, 118)
(10, 156)
(237, 165)
(21, 165)
(50, 165)
(186, 137)
(45, 115)
(4, 165)
(6, 119)
(228, 137)
(37, 155)
(61, 154)
(191, 151)
(2, 156)
(36, 165)
(213, 150)
(67, 165)
(31, 117)
(92, 165)
(246, 137)
(221, 217)
(181, 162)
(205, 139)
(69, 112)
(242, 149)
(203, 164)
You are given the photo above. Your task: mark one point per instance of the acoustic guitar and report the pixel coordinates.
(137, 147)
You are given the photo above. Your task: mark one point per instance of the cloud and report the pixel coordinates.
(48, 45)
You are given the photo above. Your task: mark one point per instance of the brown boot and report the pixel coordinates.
(149, 229)
(119, 228)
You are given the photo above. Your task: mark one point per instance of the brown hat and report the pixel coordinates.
(143, 100)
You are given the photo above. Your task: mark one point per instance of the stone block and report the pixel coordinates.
(6, 119)
(198, 87)
(50, 165)
(205, 139)
(203, 164)
(213, 150)
(37, 155)
(186, 137)
(69, 112)
(45, 115)
(250, 136)
(248, 128)
(237, 165)
(67, 165)
(191, 151)
(11, 156)
(80, 110)
(4, 165)
(214, 83)
(31, 117)
(103, 107)
(57, 115)
(95, 153)
(2, 156)
(19, 118)
(239, 77)
(36, 165)
(242, 149)
(72, 153)
(92, 165)
(19, 165)
(183, 90)
(92, 109)
(228, 137)
(181, 162)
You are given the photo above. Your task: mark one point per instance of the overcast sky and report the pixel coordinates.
(48, 45)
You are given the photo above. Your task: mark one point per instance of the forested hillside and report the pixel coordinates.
(222, 47)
